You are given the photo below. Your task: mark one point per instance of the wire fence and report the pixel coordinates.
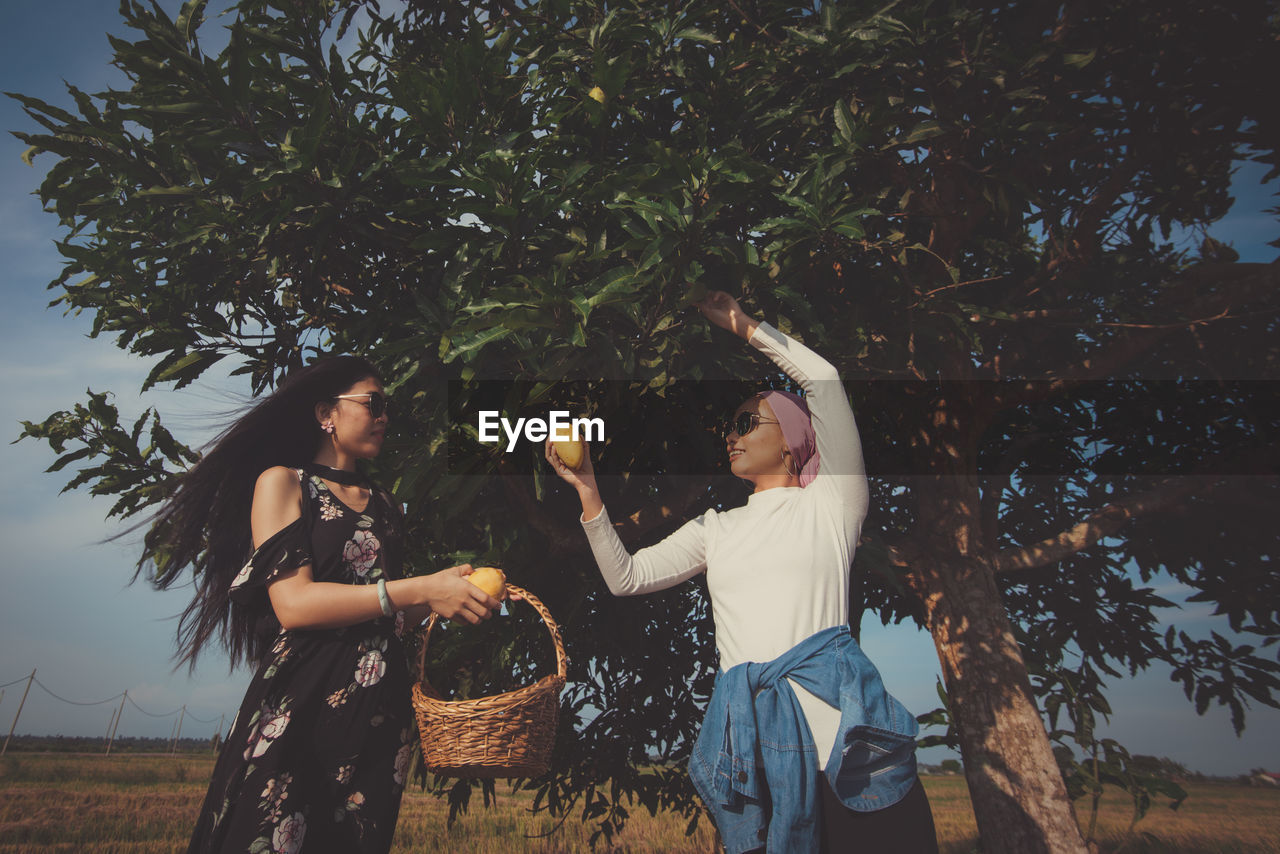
(180, 714)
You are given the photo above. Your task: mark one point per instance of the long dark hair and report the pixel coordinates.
(205, 525)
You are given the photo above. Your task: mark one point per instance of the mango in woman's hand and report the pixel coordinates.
(570, 452)
(491, 580)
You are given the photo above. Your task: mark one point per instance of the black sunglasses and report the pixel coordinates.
(745, 422)
(377, 402)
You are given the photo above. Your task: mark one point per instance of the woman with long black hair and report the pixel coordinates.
(802, 749)
(317, 757)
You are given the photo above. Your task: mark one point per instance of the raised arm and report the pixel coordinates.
(842, 472)
(677, 558)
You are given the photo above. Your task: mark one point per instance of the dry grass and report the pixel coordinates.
(141, 804)
(1215, 819)
(509, 827)
(76, 803)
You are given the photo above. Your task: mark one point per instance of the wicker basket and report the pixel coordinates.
(507, 735)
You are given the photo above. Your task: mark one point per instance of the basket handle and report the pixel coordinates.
(562, 660)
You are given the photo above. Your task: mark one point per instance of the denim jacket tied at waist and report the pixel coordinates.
(755, 764)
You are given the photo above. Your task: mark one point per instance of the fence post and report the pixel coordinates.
(111, 725)
(13, 726)
(117, 723)
(178, 735)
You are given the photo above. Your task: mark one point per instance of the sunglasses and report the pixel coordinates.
(745, 422)
(377, 402)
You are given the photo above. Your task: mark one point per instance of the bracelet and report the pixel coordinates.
(384, 600)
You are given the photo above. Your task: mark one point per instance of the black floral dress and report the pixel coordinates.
(317, 757)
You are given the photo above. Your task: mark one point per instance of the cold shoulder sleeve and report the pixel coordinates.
(286, 549)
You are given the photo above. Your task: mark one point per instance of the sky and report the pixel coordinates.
(67, 607)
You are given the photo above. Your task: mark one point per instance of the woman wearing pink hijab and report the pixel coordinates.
(802, 749)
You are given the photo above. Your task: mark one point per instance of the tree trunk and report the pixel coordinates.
(1019, 799)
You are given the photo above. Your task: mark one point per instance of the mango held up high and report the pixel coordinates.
(571, 452)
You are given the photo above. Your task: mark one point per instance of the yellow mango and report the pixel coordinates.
(491, 580)
(571, 452)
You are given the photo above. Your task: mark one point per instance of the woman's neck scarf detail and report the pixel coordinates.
(797, 431)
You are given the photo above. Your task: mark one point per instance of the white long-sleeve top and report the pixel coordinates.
(777, 568)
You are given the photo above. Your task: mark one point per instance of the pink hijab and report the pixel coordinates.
(797, 431)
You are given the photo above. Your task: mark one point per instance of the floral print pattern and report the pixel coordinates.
(242, 576)
(369, 669)
(288, 835)
(319, 753)
(360, 552)
(266, 726)
(273, 796)
(328, 509)
(404, 758)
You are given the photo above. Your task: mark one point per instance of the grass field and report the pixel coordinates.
(145, 804)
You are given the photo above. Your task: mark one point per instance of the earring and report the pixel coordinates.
(787, 468)
(327, 427)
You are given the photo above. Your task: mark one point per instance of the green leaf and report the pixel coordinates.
(576, 173)
(927, 129)
(697, 35)
(186, 368)
(66, 459)
(35, 105)
(467, 344)
(189, 18)
(187, 108)
(1080, 59)
(167, 191)
(844, 121)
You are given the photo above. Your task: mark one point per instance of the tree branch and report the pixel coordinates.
(1228, 285)
(1112, 517)
(1084, 240)
(905, 557)
(770, 36)
(1095, 526)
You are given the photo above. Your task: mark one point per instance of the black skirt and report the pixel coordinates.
(904, 828)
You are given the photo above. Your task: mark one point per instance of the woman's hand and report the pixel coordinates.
(583, 479)
(450, 595)
(724, 311)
